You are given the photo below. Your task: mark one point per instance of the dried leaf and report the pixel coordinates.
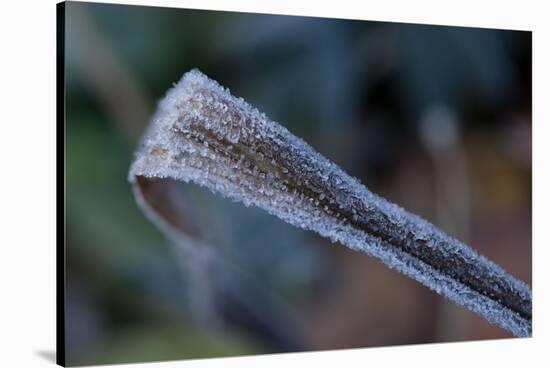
(202, 134)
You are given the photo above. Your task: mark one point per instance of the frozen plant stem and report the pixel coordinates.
(203, 134)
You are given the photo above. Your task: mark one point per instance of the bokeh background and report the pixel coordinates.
(434, 118)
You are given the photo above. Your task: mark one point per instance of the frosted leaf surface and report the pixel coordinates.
(202, 134)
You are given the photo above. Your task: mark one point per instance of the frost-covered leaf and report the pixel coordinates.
(202, 134)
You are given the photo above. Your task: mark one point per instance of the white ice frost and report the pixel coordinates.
(202, 134)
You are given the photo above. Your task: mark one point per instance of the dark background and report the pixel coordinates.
(434, 118)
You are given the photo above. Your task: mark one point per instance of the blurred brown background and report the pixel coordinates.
(434, 118)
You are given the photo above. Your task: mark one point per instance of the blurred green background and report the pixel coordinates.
(434, 118)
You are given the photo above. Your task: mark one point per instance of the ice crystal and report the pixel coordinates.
(202, 134)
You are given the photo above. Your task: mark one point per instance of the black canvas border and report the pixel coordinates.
(60, 185)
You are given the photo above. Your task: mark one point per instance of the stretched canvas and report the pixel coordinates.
(242, 184)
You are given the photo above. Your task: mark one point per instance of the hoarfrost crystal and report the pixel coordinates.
(202, 134)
